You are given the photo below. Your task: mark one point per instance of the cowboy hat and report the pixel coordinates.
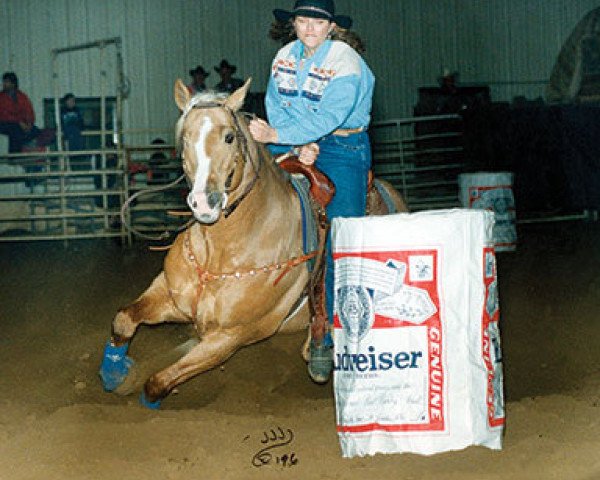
(315, 9)
(225, 64)
(199, 69)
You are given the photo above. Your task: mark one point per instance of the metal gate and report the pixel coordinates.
(421, 157)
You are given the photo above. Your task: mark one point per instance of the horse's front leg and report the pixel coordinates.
(154, 306)
(214, 348)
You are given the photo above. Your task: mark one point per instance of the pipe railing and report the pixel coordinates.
(423, 166)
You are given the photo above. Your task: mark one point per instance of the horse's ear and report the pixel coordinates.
(236, 99)
(181, 94)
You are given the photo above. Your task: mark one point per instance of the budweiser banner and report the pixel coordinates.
(417, 362)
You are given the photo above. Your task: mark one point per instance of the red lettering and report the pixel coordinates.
(434, 334)
(435, 414)
(436, 376)
(486, 345)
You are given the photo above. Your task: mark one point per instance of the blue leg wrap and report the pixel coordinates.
(115, 366)
(147, 403)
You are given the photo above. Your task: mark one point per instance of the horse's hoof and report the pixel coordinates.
(115, 366)
(320, 363)
(132, 383)
(147, 403)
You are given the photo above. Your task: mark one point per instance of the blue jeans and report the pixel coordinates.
(346, 161)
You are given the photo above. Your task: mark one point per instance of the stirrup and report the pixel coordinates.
(320, 363)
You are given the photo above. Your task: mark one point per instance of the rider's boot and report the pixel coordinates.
(320, 363)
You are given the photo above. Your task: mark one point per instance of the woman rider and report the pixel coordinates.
(319, 100)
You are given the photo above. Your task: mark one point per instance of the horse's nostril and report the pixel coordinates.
(214, 199)
(195, 204)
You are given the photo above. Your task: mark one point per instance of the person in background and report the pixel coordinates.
(157, 160)
(319, 101)
(199, 76)
(17, 117)
(228, 84)
(72, 123)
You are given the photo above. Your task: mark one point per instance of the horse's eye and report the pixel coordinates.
(229, 138)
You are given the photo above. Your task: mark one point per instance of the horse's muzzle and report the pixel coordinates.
(206, 207)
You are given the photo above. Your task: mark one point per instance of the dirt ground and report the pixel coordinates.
(56, 422)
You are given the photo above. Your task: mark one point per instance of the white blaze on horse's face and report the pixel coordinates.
(208, 130)
(205, 205)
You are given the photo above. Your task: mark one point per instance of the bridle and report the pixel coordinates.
(228, 210)
(245, 152)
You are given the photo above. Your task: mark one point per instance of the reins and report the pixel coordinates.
(245, 155)
(228, 210)
(166, 234)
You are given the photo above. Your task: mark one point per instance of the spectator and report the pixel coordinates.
(227, 83)
(157, 160)
(16, 114)
(72, 123)
(199, 76)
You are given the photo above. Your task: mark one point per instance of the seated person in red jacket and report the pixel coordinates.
(16, 114)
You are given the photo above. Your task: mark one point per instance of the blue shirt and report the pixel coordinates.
(308, 99)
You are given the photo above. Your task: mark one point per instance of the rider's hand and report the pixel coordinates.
(308, 153)
(262, 132)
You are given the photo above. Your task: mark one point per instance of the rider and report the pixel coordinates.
(319, 100)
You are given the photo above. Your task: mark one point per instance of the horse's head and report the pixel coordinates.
(213, 140)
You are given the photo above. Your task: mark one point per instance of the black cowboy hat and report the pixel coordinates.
(199, 69)
(315, 9)
(225, 64)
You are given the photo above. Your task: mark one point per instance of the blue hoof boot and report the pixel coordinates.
(320, 363)
(148, 404)
(115, 366)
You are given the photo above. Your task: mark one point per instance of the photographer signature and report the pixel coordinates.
(275, 442)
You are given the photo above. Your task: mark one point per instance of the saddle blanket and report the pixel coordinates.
(310, 240)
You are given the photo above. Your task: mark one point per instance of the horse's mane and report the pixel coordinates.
(206, 98)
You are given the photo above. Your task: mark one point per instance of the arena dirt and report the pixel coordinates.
(56, 422)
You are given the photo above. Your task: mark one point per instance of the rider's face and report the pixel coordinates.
(312, 32)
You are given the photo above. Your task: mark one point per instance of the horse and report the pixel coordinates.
(239, 272)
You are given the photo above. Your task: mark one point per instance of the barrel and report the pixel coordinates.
(492, 191)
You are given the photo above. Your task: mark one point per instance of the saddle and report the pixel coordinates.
(321, 188)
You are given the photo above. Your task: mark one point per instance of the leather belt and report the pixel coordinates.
(346, 132)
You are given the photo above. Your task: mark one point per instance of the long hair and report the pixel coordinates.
(284, 32)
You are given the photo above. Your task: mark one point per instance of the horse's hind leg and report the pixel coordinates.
(153, 306)
(214, 348)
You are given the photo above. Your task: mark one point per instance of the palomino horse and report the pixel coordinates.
(236, 273)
